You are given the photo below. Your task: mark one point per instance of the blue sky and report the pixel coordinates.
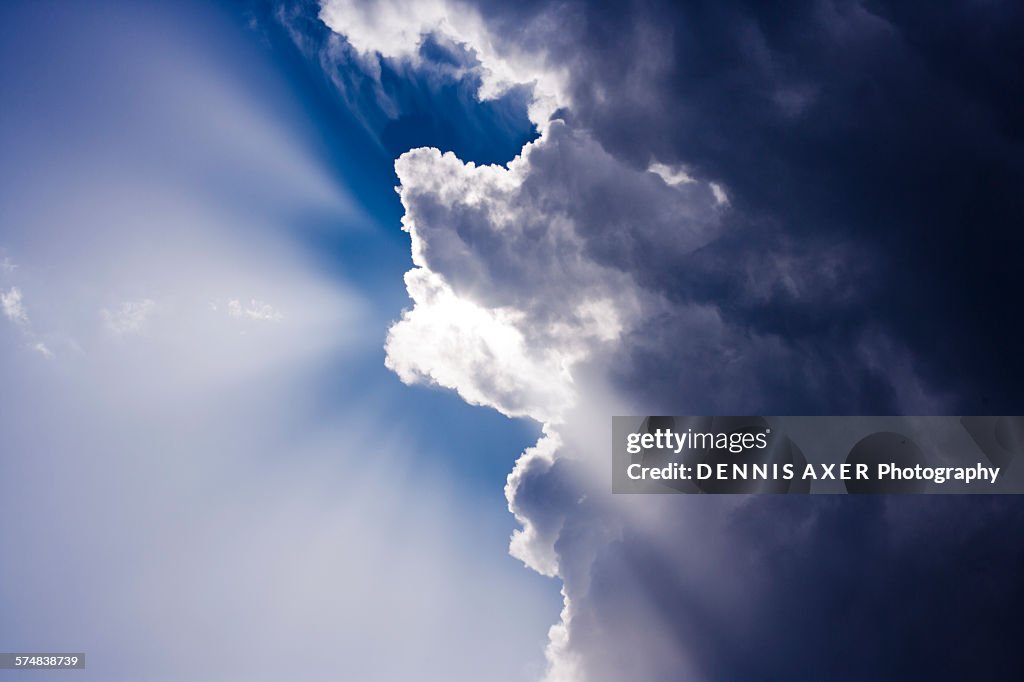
(181, 484)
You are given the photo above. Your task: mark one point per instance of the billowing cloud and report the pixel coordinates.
(707, 224)
(846, 135)
(508, 299)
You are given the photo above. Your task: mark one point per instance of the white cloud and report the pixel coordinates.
(720, 196)
(129, 318)
(8, 266)
(678, 175)
(255, 310)
(508, 294)
(479, 352)
(395, 29)
(673, 175)
(43, 350)
(13, 307)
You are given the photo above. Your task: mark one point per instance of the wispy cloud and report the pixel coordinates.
(13, 305)
(255, 310)
(720, 196)
(14, 309)
(43, 350)
(396, 29)
(129, 318)
(673, 175)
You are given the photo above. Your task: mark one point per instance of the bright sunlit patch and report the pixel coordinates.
(477, 351)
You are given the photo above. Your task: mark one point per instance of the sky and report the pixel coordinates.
(315, 315)
(208, 472)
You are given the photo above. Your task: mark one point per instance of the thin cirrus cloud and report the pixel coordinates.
(13, 306)
(129, 317)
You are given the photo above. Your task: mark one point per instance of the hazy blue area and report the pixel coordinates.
(206, 471)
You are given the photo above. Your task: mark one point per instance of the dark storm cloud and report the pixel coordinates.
(872, 155)
(865, 260)
(873, 158)
(775, 588)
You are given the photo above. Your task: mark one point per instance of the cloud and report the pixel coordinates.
(255, 310)
(7, 265)
(396, 29)
(479, 352)
(43, 350)
(12, 303)
(720, 196)
(13, 307)
(770, 104)
(129, 318)
(539, 286)
(714, 220)
(671, 175)
(509, 294)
